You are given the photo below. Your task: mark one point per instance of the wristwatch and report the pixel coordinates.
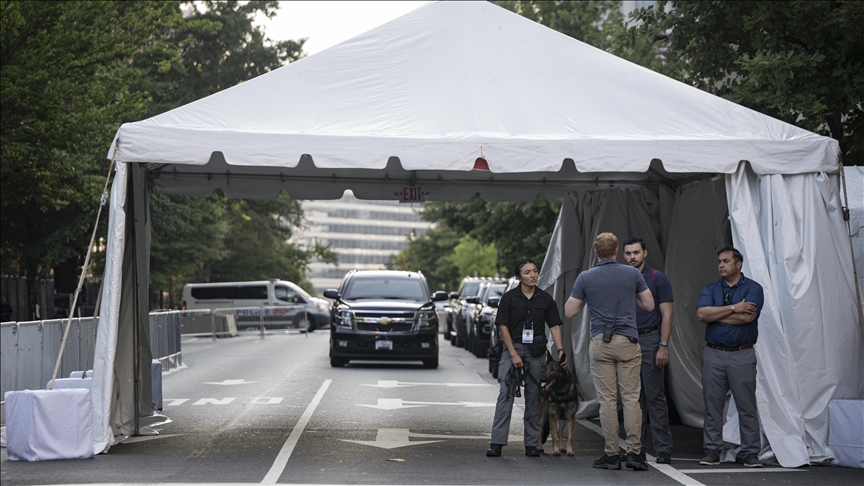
(664, 343)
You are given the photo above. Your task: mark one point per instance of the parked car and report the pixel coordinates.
(480, 326)
(493, 335)
(442, 307)
(259, 293)
(384, 315)
(469, 287)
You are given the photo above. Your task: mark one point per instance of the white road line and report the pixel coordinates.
(676, 474)
(740, 470)
(285, 454)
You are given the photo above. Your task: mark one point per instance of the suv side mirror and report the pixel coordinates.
(439, 296)
(454, 295)
(331, 294)
(473, 300)
(493, 302)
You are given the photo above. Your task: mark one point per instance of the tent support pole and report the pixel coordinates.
(133, 239)
(849, 232)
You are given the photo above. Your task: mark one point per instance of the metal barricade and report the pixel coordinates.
(28, 350)
(205, 322)
(273, 318)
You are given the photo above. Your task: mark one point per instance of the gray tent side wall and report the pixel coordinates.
(133, 393)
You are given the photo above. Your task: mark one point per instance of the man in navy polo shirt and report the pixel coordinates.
(730, 309)
(655, 329)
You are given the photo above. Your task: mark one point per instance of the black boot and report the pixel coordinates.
(494, 450)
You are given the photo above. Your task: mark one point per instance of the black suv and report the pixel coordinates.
(384, 315)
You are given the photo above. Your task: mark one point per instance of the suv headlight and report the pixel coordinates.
(344, 318)
(427, 319)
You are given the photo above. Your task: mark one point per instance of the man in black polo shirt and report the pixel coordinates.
(523, 314)
(730, 309)
(655, 329)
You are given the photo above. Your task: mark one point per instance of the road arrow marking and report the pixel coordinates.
(404, 384)
(391, 439)
(394, 438)
(398, 404)
(229, 382)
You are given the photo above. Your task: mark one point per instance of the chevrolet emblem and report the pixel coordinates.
(385, 321)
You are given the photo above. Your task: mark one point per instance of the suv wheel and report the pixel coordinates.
(430, 363)
(338, 362)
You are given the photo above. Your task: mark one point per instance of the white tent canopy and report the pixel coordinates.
(452, 99)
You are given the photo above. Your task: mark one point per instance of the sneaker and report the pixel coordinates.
(532, 451)
(712, 458)
(636, 462)
(608, 462)
(664, 458)
(494, 450)
(749, 460)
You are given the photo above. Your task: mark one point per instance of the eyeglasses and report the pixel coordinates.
(727, 298)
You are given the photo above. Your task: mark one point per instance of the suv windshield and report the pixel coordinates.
(471, 289)
(496, 290)
(386, 288)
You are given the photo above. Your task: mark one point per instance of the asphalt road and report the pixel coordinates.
(247, 410)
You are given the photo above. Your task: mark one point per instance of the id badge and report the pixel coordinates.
(527, 336)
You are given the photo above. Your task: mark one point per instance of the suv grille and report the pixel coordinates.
(384, 322)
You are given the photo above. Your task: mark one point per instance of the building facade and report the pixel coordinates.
(364, 234)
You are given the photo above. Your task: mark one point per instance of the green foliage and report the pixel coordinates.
(518, 230)
(430, 254)
(799, 61)
(64, 90)
(217, 46)
(474, 258)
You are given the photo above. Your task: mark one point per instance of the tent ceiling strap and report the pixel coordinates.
(437, 180)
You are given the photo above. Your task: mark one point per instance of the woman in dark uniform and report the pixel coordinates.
(523, 314)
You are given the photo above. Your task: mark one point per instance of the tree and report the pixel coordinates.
(257, 243)
(218, 46)
(799, 61)
(474, 258)
(64, 89)
(518, 230)
(431, 254)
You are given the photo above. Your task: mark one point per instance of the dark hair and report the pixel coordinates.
(521, 264)
(633, 240)
(735, 253)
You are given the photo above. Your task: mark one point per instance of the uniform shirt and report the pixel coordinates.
(661, 290)
(718, 294)
(605, 286)
(516, 311)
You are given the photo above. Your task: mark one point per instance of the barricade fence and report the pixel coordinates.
(28, 350)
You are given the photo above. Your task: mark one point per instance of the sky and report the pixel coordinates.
(327, 23)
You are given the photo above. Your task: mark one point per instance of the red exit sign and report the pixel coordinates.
(411, 194)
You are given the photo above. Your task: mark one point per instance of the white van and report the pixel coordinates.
(261, 293)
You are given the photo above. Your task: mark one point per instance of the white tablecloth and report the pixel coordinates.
(67, 383)
(43, 425)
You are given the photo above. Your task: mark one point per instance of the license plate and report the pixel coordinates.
(384, 345)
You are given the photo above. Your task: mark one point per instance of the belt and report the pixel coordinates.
(646, 331)
(739, 348)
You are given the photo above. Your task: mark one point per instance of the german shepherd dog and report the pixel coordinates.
(558, 405)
